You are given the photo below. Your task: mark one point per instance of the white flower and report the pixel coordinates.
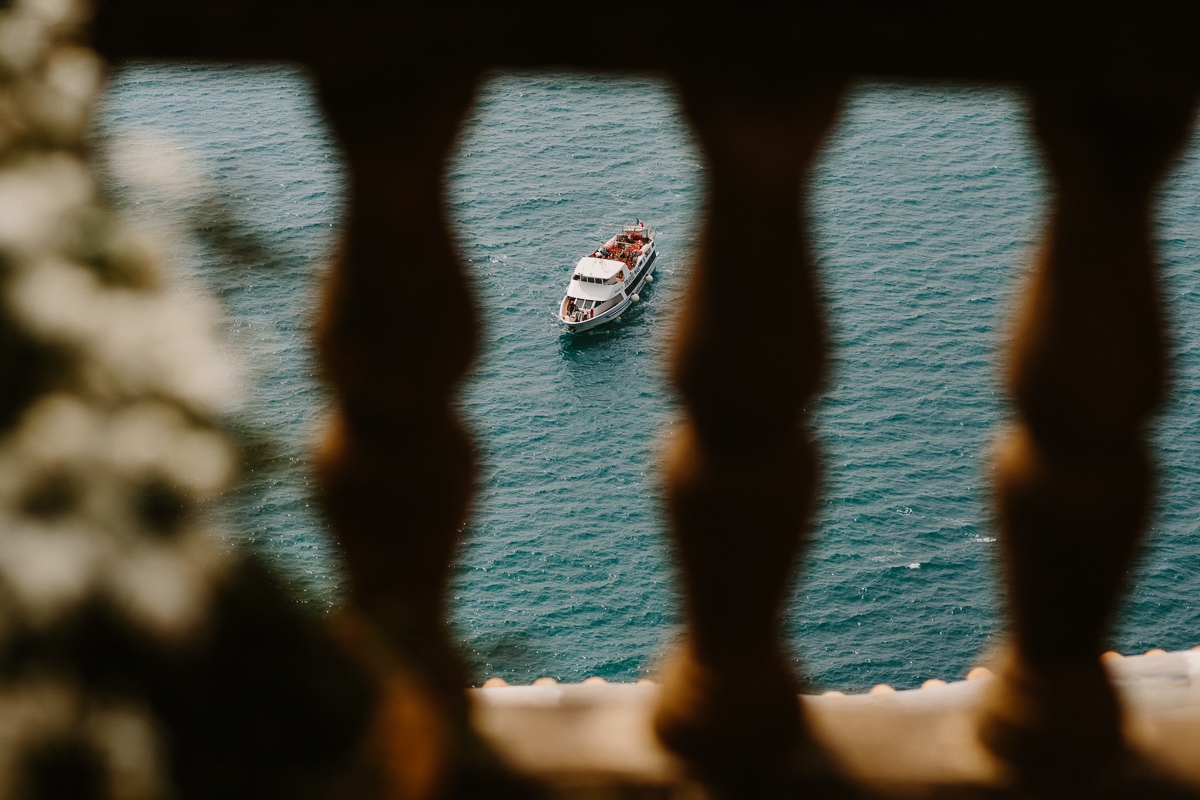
(59, 429)
(133, 342)
(36, 713)
(49, 568)
(22, 41)
(74, 480)
(127, 738)
(157, 343)
(53, 12)
(161, 588)
(148, 439)
(33, 713)
(60, 104)
(157, 164)
(38, 198)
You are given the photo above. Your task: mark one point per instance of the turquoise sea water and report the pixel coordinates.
(927, 205)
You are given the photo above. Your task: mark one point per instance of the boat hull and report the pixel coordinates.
(639, 283)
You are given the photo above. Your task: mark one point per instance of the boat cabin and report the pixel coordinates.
(594, 288)
(600, 271)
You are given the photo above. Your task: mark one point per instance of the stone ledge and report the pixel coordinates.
(587, 734)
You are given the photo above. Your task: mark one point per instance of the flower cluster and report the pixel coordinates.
(54, 737)
(96, 499)
(110, 382)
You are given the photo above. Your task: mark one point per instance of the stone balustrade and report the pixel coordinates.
(579, 738)
(1111, 90)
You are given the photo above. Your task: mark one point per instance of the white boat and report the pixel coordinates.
(607, 282)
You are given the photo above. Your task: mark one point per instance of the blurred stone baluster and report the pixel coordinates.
(1075, 479)
(397, 333)
(742, 472)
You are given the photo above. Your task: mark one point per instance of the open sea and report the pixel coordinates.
(927, 205)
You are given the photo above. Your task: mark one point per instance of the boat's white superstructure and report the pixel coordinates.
(605, 283)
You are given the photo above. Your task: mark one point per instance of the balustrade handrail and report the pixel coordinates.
(922, 40)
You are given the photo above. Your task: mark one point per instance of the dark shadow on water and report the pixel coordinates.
(510, 656)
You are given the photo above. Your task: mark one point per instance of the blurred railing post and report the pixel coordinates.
(1087, 370)
(742, 473)
(397, 334)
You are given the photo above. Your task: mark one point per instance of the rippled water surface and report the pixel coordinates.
(927, 205)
